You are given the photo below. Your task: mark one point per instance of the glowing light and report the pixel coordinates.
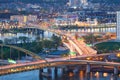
(11, 61)
(81, 75)
(118, 55)
(72, 53)
(88, 58)
(105, 74)
(97, 74)
(70, 74)
(89, 45)
(101, 58)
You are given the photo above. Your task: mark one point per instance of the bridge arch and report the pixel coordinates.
(35, 56)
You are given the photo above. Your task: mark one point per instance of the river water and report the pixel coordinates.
(46, 34)
(34, 75)
(29, 35)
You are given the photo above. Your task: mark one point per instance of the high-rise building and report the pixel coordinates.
(84, 2)
(118, 25)
(77, 3)
(74, 3)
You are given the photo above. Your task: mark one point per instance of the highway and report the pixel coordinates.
(73, 45)
(51, 63)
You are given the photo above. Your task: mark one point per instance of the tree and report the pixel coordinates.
(23, 39)
(38, 38)
(8, 41)
(1, 41)
(15, 40)
(56, 41)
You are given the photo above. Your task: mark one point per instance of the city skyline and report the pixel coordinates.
(59, 39)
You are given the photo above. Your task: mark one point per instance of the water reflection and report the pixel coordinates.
(29, 35)
(33, 75)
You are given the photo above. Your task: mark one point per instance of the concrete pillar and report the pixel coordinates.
(115, 70)
(49, 70)
(40, 74)
(88, 68)
(55, 70)
(63, 71)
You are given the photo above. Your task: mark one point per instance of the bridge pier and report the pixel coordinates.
(40, 74)
(55, 71)
(115, 70)
(63, 70)
(88, 68)
(49, 70)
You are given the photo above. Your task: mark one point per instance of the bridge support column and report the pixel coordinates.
(115, 70)
(55, 71)
(88, 68)
(40, 74)
(49, 70)
(64, 70)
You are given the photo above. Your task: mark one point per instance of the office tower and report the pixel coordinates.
(74, 3)
(84, 2)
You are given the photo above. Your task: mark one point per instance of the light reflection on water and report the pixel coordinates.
(46, 34)
(33, 75)
(30, 35)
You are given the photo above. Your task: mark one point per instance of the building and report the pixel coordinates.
(23, 19)
(118, 25)
(77, 3)
(74, 3)
(84, 2)
(8, 24)
(66, 19)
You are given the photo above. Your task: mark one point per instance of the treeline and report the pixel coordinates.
(38, 46)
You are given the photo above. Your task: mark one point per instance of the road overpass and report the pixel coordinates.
(74, 45)
(55, 63)
(40, 64)
(35, 56)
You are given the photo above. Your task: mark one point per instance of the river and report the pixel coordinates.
(29, 35)
(34, 75)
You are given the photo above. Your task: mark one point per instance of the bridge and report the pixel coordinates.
(73, 44)
(54, 63)
(47, 63)
(35, 56)
(99, 29)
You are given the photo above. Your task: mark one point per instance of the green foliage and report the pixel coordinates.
(36, 46)
(108, 46)
(23, 39)
(56, 41)
(91, 38)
